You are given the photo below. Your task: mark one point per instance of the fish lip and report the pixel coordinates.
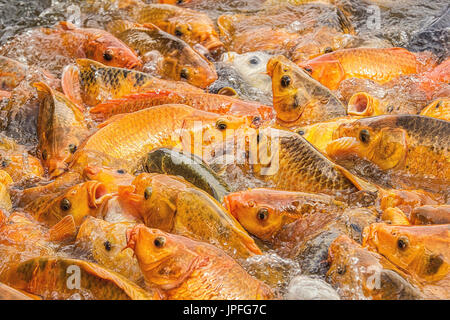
(97, 194)
(352, 107)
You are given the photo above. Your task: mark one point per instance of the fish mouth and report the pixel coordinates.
(361, 104)
(97, 194)
(229, 202)
(271, 65)
(212, 44)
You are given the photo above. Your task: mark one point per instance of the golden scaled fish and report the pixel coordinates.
(378, 64)
(104, 242)
(420, 251)
(359, 273)
(61, 128)
(187, 269)
(174, 205)
(21, 166)
(112, 178)
(194, 27)
(79, 201)
(297, 98)
(321, 133)
(286, 161)
(178, 61)
(48, 277)
(263, 212)
(92, 82)
(410, 150)
(439, 108)
(406, 200)
(124, 142)
(203, 101)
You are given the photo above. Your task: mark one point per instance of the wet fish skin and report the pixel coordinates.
(409, 149)
(332, 68)
(93, 82)
(179, 61)
(174, 205)
(297, 98)
(123, 143)
(353, 268)
(195, 270)
(431, 214)
(11, 73)
(192, 26)
(104, 242)
(439, 109)
(45, 275)
(264, 212)
(203, 101)
(190, 167)
(420, 251)
(61, 128)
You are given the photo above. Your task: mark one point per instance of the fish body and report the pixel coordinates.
(104, 241)
(409, 150)
(179, 61)
(263, 212)
(190, 167)
(359, 273)
(203, 101)
(439, 108)
(194, 27)
(93, 82)
(61, 128)
(79, 201)
(431, 214)
(297, 98)
(48, 277)
(420, 251)
(189, 269)
(124, 143)
(378, 64)
(11, 73)
(171, 204)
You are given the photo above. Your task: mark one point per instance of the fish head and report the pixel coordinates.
(109, 50)
(298, 98)
(194, 69)
(363, 104)
(61, 129)
(420, 250)
(110, 177)
(325, 69)
(261, 212)
(163, 258)
(78, 201)
(153, 197)
(200, 31)
(385, 146)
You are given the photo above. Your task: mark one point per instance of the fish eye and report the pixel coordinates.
(285, 81)
(328, 50)
(159, 242)
(120, 171)
(364, 136)
(108, 55)
(341, 269)
(65, 204)
(148, 193)
(178, 32)
(256, 120)
(402, 243)
(308, 69)
(179, 1)
(262, 214)
(301, 132)
(221, 125)
(107, 245)
(253, 60)
(5, 163)
(72, 148)
(184, 73)
(44, 155)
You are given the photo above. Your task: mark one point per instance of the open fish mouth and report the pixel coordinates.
(97, 194)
